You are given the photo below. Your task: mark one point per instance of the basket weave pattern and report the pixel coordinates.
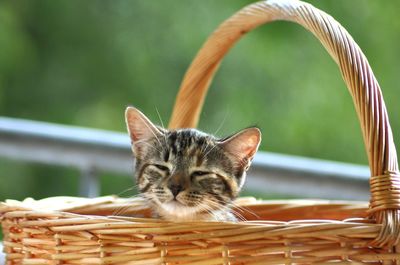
(93, 231)
(82, 231)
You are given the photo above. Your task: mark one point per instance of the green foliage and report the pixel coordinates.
(82, 62)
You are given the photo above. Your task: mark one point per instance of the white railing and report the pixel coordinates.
(2, 255)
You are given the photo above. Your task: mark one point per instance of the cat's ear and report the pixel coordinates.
(140, 128)
(242, 146)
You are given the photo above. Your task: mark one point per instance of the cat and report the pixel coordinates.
(186, 174)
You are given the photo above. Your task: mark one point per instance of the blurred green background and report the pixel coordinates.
(82, 62)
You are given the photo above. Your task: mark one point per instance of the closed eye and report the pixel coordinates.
(199, 173)
(161, 167)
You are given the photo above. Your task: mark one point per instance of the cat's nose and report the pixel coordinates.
(175, 189)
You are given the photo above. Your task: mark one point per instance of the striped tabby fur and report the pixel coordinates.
(188, 175)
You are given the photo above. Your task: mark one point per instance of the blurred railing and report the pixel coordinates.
(93, 151)
(2, 255)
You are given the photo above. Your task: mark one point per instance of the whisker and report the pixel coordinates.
(222, 123)
(149, 145)
(214, 206)
(162, 124)
(159, 117)
(126, 190)
(210, 150)
(204, 207)
(228, 209)
(204, 148)
(151, 130)
(243, 209)
(238, 215)
(125, 207)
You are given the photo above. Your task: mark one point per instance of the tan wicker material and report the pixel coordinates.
(110, 230)
(65, 230)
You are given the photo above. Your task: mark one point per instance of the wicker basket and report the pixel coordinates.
(87, 231)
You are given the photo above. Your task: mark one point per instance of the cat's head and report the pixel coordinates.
(186, 172)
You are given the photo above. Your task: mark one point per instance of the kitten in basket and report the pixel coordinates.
(188, 175)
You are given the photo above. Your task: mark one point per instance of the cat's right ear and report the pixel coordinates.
(140, 128)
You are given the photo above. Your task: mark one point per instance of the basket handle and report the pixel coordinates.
(356, 72)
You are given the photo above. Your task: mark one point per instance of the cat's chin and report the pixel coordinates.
(176, 211)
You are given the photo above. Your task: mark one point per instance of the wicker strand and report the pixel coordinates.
(356, 72)
(385, 195)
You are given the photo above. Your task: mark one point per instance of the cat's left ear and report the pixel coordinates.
(243, 145)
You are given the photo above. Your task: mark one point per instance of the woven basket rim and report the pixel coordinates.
(78, 207)
(167, 242)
